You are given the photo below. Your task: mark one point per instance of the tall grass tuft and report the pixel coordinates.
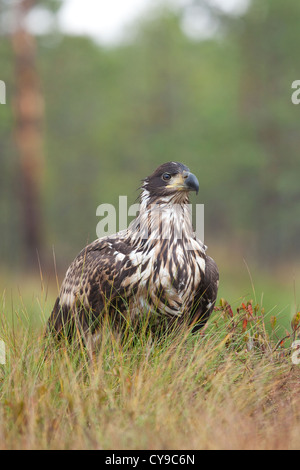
(230, 386)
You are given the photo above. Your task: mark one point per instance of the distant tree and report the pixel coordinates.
(268, 38)
(29, 117)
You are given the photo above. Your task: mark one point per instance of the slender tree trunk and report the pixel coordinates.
(29, 112)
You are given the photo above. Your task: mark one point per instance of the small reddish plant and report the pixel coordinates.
(248, 329)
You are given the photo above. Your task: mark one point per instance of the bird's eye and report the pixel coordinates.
(166, 176)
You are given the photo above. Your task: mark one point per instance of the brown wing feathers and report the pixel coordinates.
(144, 268)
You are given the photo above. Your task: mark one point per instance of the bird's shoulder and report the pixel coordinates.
(107, 246)
(101, 258)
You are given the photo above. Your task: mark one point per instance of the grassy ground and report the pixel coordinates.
(233, 386)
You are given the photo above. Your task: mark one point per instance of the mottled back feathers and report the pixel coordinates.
(156, 267)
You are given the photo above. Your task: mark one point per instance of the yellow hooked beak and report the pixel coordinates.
(184, 181)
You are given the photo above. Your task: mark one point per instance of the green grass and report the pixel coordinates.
(231, 386)
(275, 290)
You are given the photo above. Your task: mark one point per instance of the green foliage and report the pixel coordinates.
(221, 106)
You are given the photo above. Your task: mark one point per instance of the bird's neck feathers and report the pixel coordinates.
(164, 217)
(164, 201)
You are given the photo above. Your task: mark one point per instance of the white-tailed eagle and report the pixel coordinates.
(155, 269)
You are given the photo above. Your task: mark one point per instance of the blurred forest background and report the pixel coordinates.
(84, 122)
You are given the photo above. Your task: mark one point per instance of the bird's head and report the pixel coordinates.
(170, 181)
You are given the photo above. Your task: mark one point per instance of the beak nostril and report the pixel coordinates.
(191, 182)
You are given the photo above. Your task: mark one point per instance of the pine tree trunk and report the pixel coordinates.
(29, 112)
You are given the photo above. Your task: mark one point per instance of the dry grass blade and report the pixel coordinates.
(226, 388)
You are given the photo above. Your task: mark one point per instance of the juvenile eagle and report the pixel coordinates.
(156, 267)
